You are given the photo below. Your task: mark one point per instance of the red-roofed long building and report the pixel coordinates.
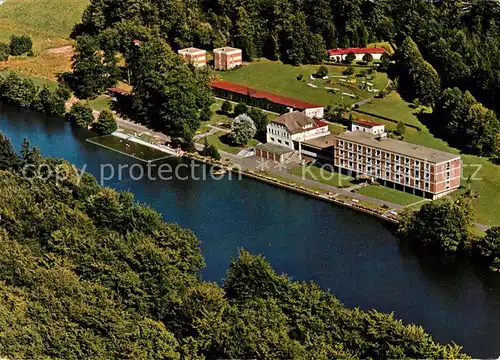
(265, 100)
(339, 55)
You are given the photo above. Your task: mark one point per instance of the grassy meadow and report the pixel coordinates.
(280, 78)
(48, 22)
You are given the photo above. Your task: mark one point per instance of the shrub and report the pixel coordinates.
(322, 71)
(226, 107)
(81, 115)
(240, 108)
(368, 58)
(106, 123)
(4, 52)
(348, 71)
(210, 150)
(400, 129)
(349, 58)
(20, 45)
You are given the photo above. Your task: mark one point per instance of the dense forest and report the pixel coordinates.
(440, 45)
(86, 272)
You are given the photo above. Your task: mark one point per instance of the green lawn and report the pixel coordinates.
(393, 107)
(387, 194)
(336, 129)
(279, 78)
(486, 181)
(219, 142)
(322, 175)
(47, 21)
(100, 103)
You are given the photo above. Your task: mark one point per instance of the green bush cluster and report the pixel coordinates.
(22, 91)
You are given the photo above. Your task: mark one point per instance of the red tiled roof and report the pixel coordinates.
(118, 91)
(339, 51)
(261, 94)
(366, 123)
(321, 123)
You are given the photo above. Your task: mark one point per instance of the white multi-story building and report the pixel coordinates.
(291, 128)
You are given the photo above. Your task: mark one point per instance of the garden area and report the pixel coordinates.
(222, 141)
(299, 82)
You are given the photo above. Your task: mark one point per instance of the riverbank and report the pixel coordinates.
(327, 197)
(355, 255)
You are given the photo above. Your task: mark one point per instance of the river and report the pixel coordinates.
(354, 255)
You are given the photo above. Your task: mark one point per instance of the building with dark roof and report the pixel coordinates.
(291, 128)
(265, 100)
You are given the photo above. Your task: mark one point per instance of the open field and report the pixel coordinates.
(281, 79)
(485, 174)
(322, 175)
(388, 194)
(48, 22)
(45, 66)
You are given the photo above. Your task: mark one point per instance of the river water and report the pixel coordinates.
(354, 255)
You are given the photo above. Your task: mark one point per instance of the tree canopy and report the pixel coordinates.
(85, 272)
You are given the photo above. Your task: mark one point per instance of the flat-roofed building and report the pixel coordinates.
(424, 171)
(321, 148)
(227, 58)
(197, 57)
(273, 152)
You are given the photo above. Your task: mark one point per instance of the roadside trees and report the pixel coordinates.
(106, 123)
(81, 115)
(242, 129)
(210, 150)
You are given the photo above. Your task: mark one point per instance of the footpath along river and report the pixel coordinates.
(353, 254)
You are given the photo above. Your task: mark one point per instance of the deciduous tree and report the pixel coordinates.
(242, 129)
(81, 115)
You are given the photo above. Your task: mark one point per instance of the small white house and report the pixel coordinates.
(294, 127)
(368, 126)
